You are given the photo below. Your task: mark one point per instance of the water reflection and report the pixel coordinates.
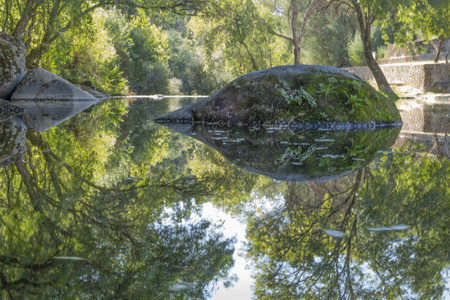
(289, 155)
(368, 254)
(85, 215)
(109, 204)
(426, 123)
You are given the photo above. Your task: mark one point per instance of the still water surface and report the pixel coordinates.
(109, 204)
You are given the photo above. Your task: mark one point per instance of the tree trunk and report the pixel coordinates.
(254, 64)
(294, 16)
(50, 36)
(365, 24)
(34, 56)
(438, 53)
(296, 52)
(24, 19)
(377, 73)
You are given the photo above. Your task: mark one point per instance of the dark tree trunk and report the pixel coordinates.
(35, 55)
(365, 22)
(438, 53)
(254, 64)
(296, 52)
(381, 80)
(294, 17)
(24, 19)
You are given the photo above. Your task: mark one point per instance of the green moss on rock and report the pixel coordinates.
(293, 94)
(12, 64)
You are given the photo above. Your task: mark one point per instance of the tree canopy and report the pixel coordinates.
(420, 18)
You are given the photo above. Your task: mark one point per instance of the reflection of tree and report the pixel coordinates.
(84, 217)
(296, 258)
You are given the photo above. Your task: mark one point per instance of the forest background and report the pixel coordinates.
(195, 47)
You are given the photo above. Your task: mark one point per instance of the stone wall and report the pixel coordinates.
(416, 51)
(424, 77)
(437, 77)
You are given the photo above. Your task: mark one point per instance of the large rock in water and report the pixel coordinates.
(12, 64)
(302, 96)
(39, 84)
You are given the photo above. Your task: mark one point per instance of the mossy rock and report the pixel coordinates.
(12, 64)
(291, 94)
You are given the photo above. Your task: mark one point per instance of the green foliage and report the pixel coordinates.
(346, 99)
(239, 33)
(328, 38)
(188, 65)
(382, 52)
(356, 51)
(297, 97)
(418, 20)
(87, 56)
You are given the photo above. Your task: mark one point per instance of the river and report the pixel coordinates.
(98, 201)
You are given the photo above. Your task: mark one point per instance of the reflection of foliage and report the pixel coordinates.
(107, 204)
(297, 155)
(295, 258)
(235, 184)
(287, 243)
(87, 216)
(411, 189)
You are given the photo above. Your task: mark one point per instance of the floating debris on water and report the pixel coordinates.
(335, 233)
(333, 155)
(393, 227)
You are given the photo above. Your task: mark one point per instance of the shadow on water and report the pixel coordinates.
(109, 204)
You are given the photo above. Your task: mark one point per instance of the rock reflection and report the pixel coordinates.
(289, 155)
(12, 140)
(42, 115)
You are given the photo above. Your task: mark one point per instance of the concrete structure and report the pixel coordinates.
(424, 76)
(413, 67)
